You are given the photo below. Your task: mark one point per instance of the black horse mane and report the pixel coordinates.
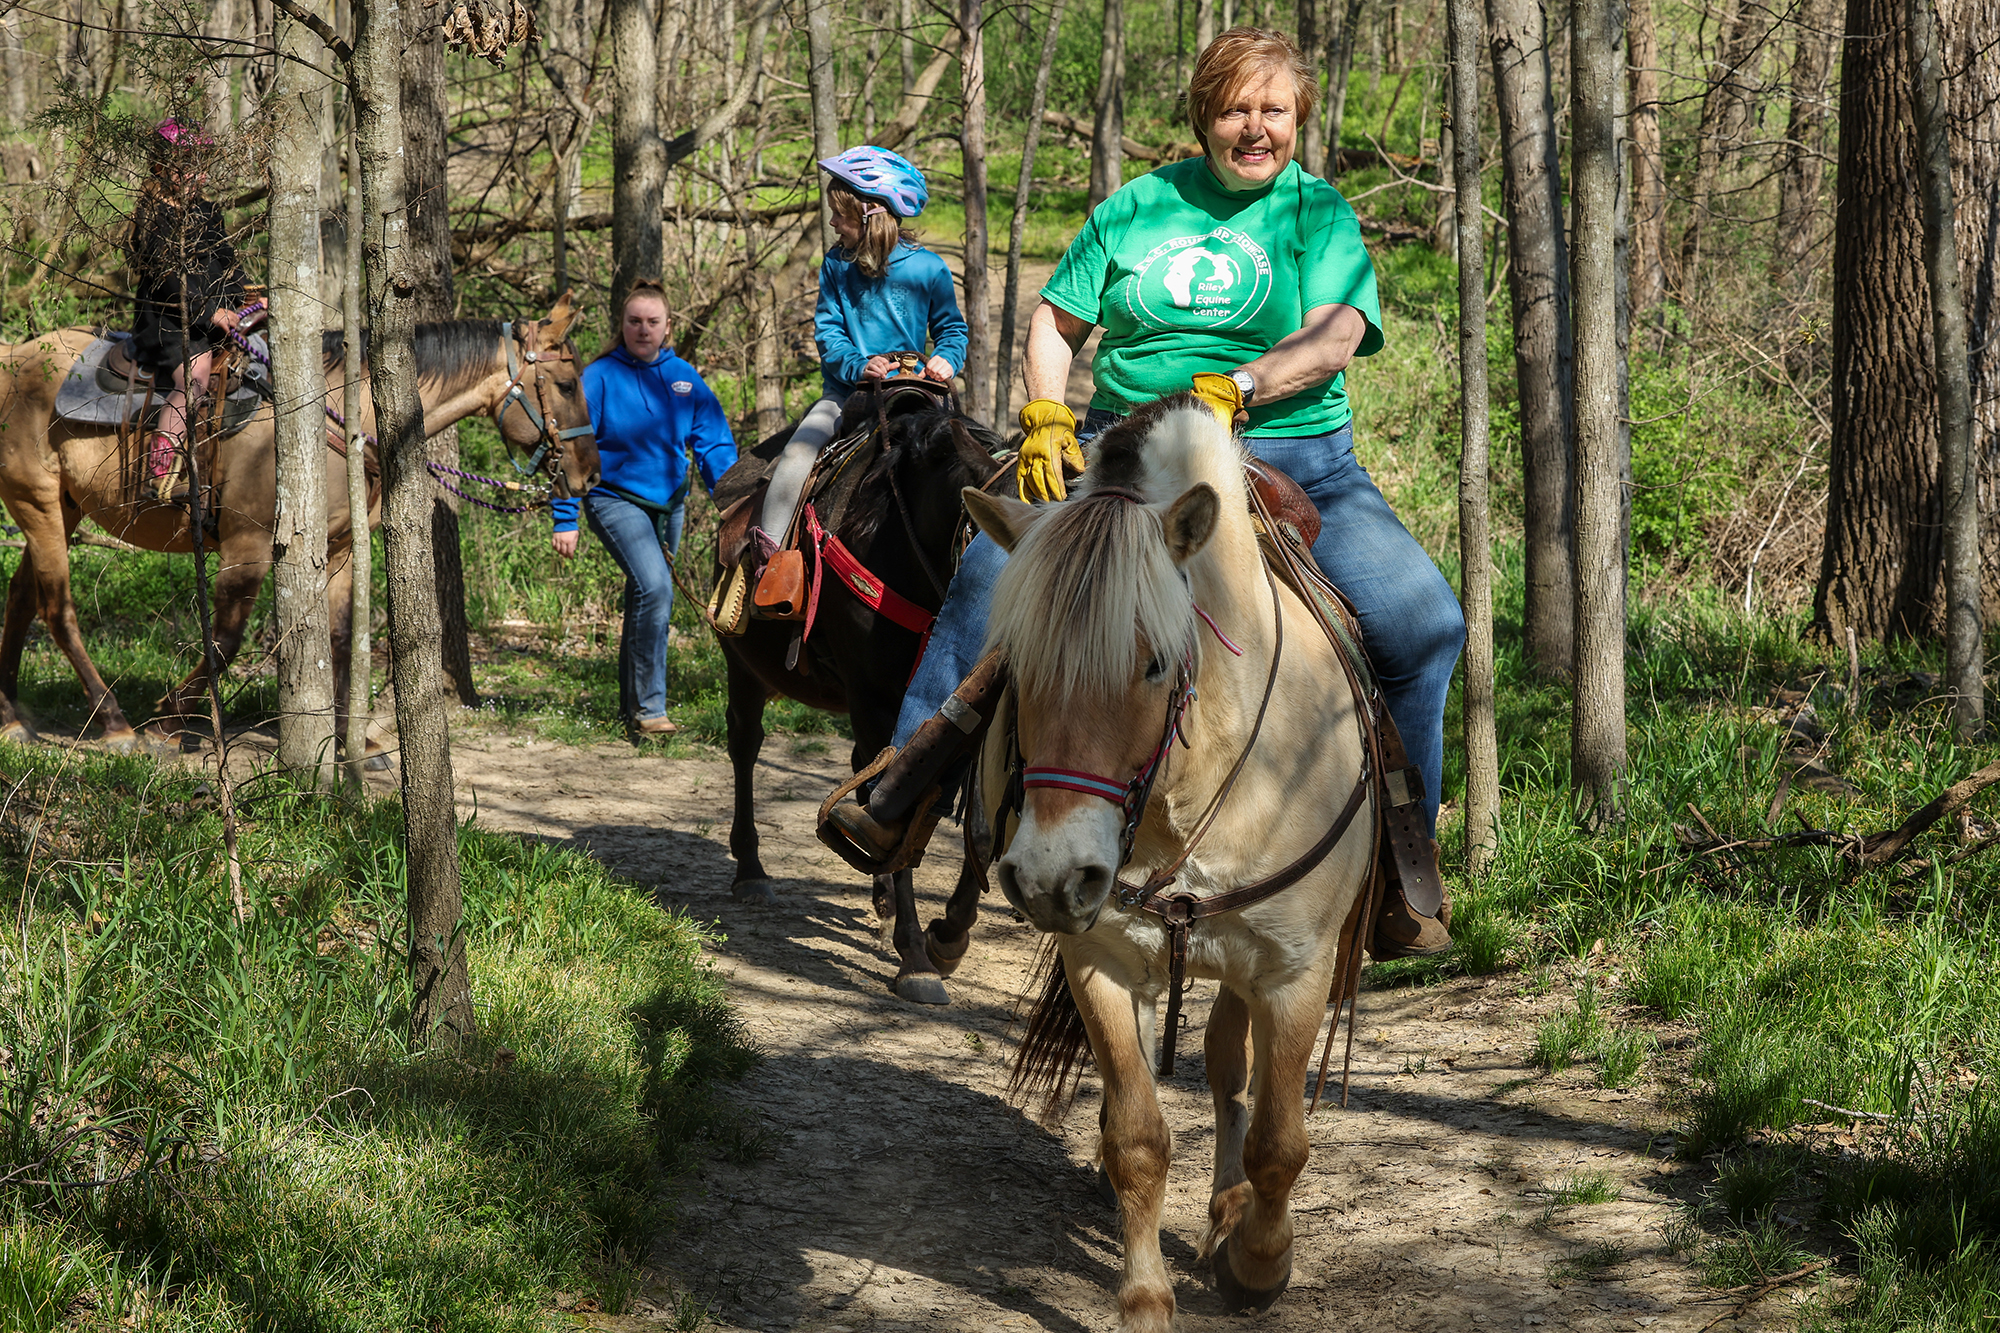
(453, 354)
(931, 442)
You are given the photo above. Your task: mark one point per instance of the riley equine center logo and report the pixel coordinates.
(1221, 280)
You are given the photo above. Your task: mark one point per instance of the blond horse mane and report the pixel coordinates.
(1091, 585)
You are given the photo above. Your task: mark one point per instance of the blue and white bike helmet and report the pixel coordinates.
(881, 174)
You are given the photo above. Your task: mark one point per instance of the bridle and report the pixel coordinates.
(523, 356)
(1179, 911)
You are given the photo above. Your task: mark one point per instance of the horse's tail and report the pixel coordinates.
(1056, 1045)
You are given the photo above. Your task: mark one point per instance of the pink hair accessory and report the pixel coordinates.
(872, 210)
(182, 134)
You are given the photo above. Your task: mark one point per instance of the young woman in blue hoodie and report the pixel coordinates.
(879, 292)
(648, 408)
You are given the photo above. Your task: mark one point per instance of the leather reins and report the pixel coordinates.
(1179, 911)
(548, 440)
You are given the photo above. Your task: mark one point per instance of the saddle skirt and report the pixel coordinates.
(103, 388)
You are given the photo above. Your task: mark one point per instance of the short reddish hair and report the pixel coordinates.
(1232, 60)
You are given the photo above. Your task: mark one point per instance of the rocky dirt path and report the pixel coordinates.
(900, 1190)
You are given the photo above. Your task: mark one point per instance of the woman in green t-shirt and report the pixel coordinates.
(1241, 269)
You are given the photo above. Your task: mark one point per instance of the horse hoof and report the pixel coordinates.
(922, 988)
(1236, 1297)
(18, 733)
(754, 891)
(125, 742)
(943, 957)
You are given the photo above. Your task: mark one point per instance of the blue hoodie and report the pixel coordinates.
(860, 316)
(646, 416)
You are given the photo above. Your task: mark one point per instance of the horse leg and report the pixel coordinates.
(746, 739)
(1253, 1263)
(950, 935)
(1136, 1147)
(13, 638)
(1226, 1053)
(917, 980)
(47, 529)
(232, 597)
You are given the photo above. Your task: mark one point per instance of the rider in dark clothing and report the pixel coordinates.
(181, 259)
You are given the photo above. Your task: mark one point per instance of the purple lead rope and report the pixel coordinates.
(438, 471)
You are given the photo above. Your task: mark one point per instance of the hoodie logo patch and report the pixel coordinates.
(683, 386)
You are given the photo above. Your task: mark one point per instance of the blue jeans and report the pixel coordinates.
(634, 536)
(1410, 617)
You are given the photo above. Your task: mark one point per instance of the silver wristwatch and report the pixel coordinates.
(1245, 384)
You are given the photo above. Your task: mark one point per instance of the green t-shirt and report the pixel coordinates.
(1185, 276)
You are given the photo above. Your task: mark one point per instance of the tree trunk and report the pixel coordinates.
(1010, 302)
(361, 550)
(1974, 99)
(906, 24)
(638, 157)
(978, 307)
(1538, 283)
(1964, 626)
(425, 145)
(1732, 83)
(1475, 518)
(1204, 24)
(1805, 140)
(1444, 225)
(873, 21)
(305, 652)
(825, 104)
(1597, 727)
(441, 1009)
(1312, 143)
(1884, 550)
(1107, 145)
(1648, 279)
(14, 68)
(1340, 57)
(217, 94)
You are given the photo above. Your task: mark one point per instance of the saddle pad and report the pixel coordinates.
(82, 398)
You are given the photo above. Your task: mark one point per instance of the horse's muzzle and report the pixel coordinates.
(1063, 899)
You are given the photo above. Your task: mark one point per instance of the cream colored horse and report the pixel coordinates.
(1097, 611)
(55, 473)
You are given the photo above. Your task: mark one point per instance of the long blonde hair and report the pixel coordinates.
(881, 231)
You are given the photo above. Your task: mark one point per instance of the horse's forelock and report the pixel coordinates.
(1084, 588)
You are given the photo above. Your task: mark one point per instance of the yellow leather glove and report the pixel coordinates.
(1222, 396)
(1050, 442)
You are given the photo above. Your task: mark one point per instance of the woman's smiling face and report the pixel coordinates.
(1253, 137)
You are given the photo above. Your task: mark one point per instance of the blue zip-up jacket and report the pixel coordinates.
(646, 417)
(859, 316)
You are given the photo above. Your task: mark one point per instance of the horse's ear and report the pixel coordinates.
(560, 320)
(1005, 521)
(1190, 521)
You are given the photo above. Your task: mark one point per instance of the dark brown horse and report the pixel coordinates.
(902, 521)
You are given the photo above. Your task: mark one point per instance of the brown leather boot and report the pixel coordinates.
(1401, 931)
(875, 837)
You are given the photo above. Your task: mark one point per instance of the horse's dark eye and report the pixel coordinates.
(1156, 671)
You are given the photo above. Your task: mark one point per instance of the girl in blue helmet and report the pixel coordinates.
(879, 292)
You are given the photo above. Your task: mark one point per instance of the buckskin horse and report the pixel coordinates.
(898, 523)
(1176, 713)
(56, 473)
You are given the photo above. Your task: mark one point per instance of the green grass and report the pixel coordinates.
(271, 1152)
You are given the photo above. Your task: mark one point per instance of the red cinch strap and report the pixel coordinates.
(859, 580)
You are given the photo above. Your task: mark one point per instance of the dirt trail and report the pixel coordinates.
(901, 1191)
